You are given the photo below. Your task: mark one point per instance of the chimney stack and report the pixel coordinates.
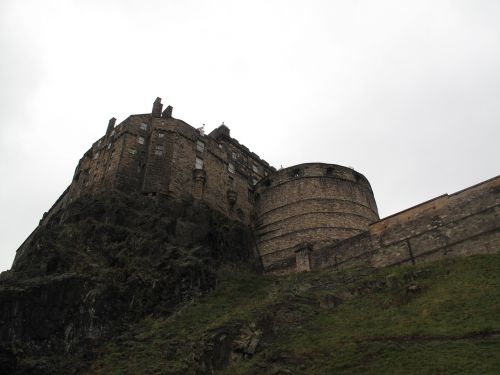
(167, 113)
(111, 125)
(157, 106)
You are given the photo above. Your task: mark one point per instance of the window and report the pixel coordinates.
(144, 126)
(254, 180)
(159, 150)
(234, 155)
(251, 196)
(109, 145)
(132, 151)
(161, 135)
(200, 146)
(140, 140)
(199, 163)
(96, 155)
(230, 167)
(255, 168)
(113, 133)
(220, 146)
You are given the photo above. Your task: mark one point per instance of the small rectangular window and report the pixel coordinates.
(144, 126)
(230, 167)
(199, 163)
(96, 155)
(234, 155)
(132, 151)
(159, 150)
(255, 168)
(140, 140)
(161, 135)
(254, 180)
(200, 146)
(109, 145)
(113, 133)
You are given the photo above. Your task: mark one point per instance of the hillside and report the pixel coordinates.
(437, 318)
(124, 284)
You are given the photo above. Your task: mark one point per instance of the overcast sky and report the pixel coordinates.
(405, 92)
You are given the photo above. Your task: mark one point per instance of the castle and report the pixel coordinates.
(304, 217)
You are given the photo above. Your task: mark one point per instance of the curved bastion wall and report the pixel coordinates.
(315, 204)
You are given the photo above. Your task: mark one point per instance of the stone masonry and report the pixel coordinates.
(304, 217)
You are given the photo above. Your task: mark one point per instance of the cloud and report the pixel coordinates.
(407, 93)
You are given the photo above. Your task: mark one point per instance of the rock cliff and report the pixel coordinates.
(105, 262)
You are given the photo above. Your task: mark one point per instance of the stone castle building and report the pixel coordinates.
(302, 216)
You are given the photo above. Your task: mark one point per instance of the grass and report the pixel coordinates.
(447, 322)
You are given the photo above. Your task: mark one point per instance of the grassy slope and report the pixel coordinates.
(442, 317)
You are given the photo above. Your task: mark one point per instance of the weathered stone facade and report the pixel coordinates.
(460, 224)
(157, 154)
(313, 203)
(304, 217)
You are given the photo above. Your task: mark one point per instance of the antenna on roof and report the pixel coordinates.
(201, 129)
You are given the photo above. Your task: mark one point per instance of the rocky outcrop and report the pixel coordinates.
(107, 261)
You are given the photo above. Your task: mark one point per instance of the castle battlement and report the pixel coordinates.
(304, 217)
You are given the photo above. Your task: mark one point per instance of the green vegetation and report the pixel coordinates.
(440, 318)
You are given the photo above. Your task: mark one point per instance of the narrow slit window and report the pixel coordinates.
(200, 146)
(230, 167)
(199, 163)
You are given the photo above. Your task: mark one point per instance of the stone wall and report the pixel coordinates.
(311, 203)
(461, 224)
(155, 153)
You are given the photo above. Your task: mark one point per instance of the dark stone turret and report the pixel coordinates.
(221, 132)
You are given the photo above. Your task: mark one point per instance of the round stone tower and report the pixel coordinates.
(310, 205)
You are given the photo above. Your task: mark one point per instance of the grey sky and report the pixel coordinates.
(406, 92)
